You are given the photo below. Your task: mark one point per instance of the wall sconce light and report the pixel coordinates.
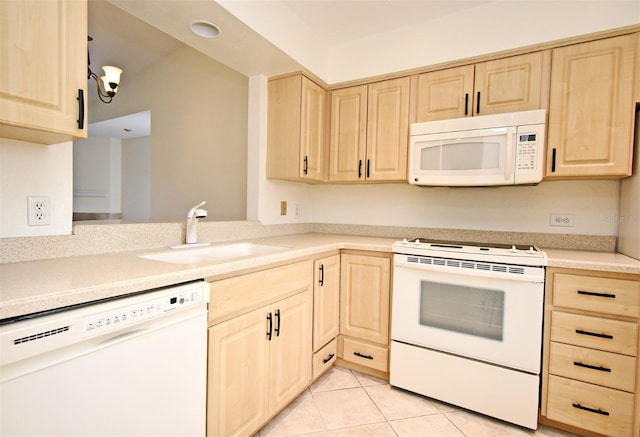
(111, 79)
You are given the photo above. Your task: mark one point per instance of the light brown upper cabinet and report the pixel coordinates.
(592, 109)
(517, 83)
(43, 83)
(370, 132)
(295, 130)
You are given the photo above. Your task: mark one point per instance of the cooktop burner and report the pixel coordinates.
(488, 252)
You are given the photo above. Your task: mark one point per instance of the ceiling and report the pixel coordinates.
(126, 41)
(339, 21)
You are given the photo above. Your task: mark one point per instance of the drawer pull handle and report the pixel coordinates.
(358, 354)
(594, 334)
(591, 293)
(589, 366)
(591, 410)
(326, 360)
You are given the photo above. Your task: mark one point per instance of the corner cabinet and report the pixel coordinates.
(295, 131)
(365, 292)
(370, 132)
(590, 371)
(592, 109)
(259, 347)
(326, 312)
(43, 84)
(516, 83)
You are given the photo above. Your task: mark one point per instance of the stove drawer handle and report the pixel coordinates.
(594, 334)
(592, 293)
(591, 410)
(592, 367)
(358, 354)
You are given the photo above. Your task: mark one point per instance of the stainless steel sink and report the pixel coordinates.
(213, 253)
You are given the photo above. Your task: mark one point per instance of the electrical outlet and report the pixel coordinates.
(283, 208)
(38, 210)
(561, 220)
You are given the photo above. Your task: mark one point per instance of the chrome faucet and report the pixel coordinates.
(193, 215)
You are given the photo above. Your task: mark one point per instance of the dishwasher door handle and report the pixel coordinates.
(122, 337)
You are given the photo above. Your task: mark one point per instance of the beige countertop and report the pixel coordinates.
(33, 286)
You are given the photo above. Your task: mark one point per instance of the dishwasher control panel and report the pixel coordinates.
(117, 318)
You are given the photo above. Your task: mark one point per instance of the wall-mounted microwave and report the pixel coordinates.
(500, 149)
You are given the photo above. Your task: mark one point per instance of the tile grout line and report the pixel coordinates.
(374, 403)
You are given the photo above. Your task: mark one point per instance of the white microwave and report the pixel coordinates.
(500, 149)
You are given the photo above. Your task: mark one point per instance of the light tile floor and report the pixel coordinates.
(348, 403)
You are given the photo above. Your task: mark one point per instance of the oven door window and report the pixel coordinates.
(468, 310)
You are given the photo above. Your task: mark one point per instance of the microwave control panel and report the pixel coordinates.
(529, 165)
(527, 150)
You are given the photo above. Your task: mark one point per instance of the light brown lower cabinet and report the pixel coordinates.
(365, 293)
(326, 312)
(590, 372)
(260, 360)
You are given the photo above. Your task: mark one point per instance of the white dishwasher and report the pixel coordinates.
(131, 366)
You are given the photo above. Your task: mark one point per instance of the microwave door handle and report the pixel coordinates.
(510, 164)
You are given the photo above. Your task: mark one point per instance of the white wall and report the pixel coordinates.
(198, 133)
(32, 169)
(491, 27)
(629, 217)
(97, 176)
(136, 181)
(594, 205)
(264, 195)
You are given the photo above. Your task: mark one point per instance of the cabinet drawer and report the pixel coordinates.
(365, 354)
(603, 295)
(589, 406)
(324, 358)
(597, 367)
(240, 294)
(595, 332)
